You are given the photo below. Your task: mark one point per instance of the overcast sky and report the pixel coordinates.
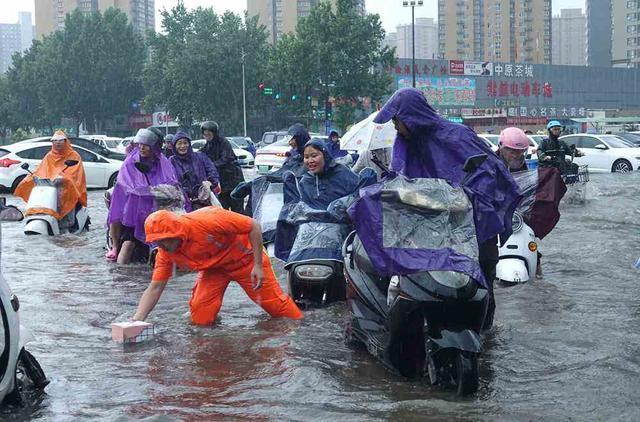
(390, 17)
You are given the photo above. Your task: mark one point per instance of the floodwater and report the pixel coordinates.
(566, 347)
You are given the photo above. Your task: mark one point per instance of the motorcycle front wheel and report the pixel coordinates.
(465, 374)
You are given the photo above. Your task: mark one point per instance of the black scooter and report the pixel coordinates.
(425, 324)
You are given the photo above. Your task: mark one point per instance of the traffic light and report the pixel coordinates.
(261, 86)
(277, 96)
(268, 91)
(294, 97)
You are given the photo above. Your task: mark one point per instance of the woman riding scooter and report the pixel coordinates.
(195, 171)
(70, 179)
(143, 168)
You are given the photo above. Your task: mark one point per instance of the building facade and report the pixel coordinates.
(15, 38)
(599, 32)
(520, 94)
(50, 14)
(426, 38)
(569, 38)
(625, 33)
(281, 16)
(494, 30)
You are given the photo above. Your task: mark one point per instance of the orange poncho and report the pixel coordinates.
(74, 187)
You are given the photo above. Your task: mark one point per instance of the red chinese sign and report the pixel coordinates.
(516, 89)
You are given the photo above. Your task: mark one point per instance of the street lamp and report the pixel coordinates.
(244, 97)
(412, 4)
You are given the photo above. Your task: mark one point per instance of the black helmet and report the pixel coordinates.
(209, 125)
(168, 138)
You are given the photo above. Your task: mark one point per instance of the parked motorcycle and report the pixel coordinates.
(420, 322)
(20, 372)
(45, 195)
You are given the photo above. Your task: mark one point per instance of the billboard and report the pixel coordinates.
(467, 68)
(444, 91)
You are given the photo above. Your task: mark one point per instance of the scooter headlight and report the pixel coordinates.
(452, 279)
(314, 272)
(516, 221)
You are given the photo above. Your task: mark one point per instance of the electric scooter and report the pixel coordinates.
(45, 195)
(419, 323)
(20, 372)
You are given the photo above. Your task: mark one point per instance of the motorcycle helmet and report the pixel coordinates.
(209, 125)
(552, 124)
(514, 138)
(148, 137)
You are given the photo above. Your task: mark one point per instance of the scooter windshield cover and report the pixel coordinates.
(267, 199)
(414, 225)
(542, 189)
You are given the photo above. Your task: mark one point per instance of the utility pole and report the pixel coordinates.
(413, 4)
(244, 98)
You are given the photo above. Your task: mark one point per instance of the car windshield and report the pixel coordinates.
(239, 141)
(492, 138)
(631, 137)
(112, 143)
(616, 142)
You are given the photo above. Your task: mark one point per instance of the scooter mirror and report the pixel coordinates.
(71, 163)
(24, 166)
(142, 167)
(473, 163)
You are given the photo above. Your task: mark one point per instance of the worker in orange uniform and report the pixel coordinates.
(223, 246)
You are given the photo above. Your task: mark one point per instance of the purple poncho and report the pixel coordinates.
(193, 168)
(131, 201)
(439, 148)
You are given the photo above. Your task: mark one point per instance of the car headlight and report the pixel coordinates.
(314, 272)
(516, 221)
(453, 279)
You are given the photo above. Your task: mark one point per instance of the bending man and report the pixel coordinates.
(222, 246)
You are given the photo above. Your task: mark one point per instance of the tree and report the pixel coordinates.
(195, 69)
(89, 72)
(336, 53)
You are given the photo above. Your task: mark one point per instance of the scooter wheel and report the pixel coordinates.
(466, 373)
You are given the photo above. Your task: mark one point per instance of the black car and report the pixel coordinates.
(87, 144)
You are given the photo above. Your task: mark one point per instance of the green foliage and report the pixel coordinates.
(90, 71)
(195, 69)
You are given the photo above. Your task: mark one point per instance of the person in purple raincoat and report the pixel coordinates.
(429, 146)
(193, 169)
(130, 202)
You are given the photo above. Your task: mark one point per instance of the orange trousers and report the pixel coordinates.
(208, 292)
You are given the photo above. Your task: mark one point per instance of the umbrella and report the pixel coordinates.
(367, 135)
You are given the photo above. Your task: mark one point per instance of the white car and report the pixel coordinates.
(111, 144)
(101, 172)
(273, 156)
(605, 153)
(244, 157)
(122, 146)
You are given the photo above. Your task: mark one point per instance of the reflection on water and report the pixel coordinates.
(564, 347)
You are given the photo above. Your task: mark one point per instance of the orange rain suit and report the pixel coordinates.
(74, 186)
(215, 242)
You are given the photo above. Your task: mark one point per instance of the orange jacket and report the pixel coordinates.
(74, 187)
(210, 237)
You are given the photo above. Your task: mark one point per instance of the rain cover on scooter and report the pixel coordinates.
(542, 190)
(267, 199)
(305, 233)
(414, 225)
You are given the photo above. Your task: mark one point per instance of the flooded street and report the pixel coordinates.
(566, 347)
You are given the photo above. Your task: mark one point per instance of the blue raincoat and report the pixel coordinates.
(334, 147)
(439, 148)
(318, 203)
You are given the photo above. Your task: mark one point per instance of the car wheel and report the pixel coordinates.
(621, 166)
(17, 182)
(112, 180)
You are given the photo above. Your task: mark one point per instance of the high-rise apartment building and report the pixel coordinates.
(15, 38)
(569, 38)
(281, 16)
(426, 36)
(625, 36)
(50, 14)
(495, 30)
(599, 32)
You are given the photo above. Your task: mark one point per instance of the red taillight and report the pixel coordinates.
(8, 162)
(281, 154)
